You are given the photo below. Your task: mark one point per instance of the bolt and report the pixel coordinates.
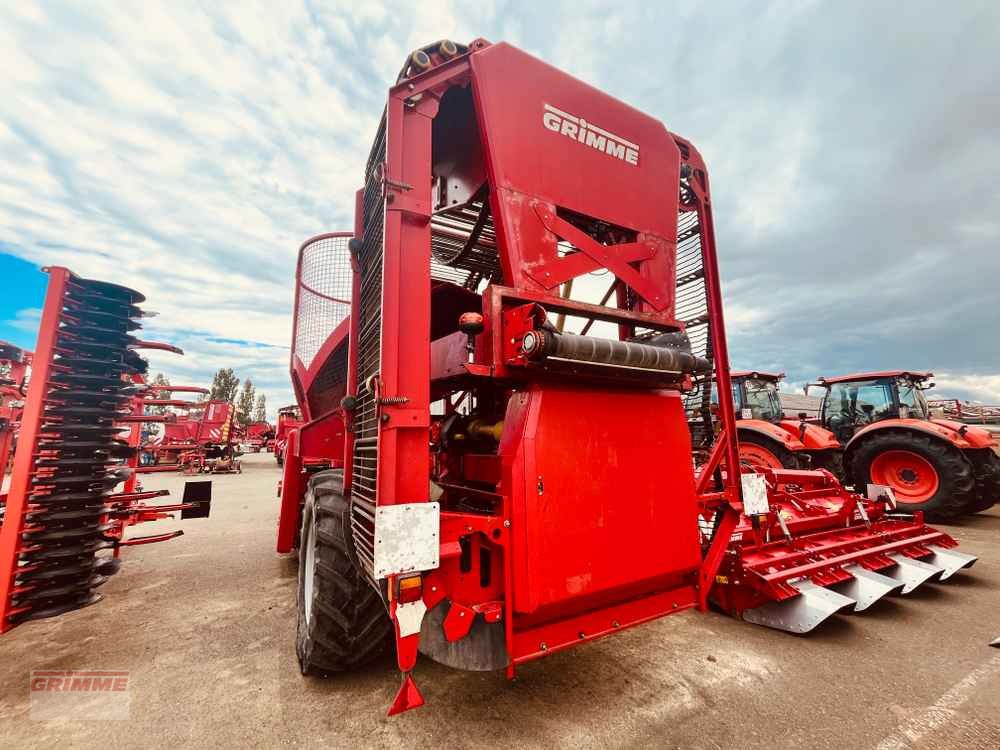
(674, 605)
(461, 614)
(506, 524)
(581, 635)
(384, 418)
(543, 646)
(615, 624)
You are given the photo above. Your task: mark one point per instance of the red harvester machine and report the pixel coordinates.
(64, 521)
(506, 489)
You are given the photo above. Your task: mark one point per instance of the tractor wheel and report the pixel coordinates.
(342, 621)
(986, 468)
(833, 461)
(758, 450)
(924, 473)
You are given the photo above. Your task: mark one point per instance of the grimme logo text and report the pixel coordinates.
(589, 134)
(78, 681)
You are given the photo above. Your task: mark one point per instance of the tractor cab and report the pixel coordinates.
(767, 439)
(755, 395)
(854, 401)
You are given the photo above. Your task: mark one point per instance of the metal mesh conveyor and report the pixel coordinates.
(365, 422)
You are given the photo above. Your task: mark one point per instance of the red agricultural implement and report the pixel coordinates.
(174, 434)
(257, 435)
(515, 476)
(289, 418)
(986, 415)
(943, 467)
(14, 364)
(214, 448)
(200, 440)
(64, 521)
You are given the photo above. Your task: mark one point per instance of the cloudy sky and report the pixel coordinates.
(186, 149)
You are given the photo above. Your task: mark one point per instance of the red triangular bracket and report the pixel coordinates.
(408, 697)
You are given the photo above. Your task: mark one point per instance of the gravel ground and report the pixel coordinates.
(205, 624)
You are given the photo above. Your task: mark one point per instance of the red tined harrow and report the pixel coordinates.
(64, 522)
(812, 549)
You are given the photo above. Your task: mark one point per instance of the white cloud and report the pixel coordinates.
(26, 319)
(983, 389)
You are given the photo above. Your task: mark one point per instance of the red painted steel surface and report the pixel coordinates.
(589, 515)
(528, 162)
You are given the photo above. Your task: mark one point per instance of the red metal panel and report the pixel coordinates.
(403, 455)
(536, 642)
(608, 496)
(528, 157)
(292, 489)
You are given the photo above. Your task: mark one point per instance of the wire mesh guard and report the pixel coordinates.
(324, 293)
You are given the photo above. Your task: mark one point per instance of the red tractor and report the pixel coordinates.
(477, 484)
(942, 467)
(768, 439)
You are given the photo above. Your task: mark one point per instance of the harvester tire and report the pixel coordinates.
(951, 486)
(986, 468)
(342, 620)
(760, 445)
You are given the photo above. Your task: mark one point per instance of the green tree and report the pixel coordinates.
(158, 379)
(260, 410)
(244, 405)
(224, 385)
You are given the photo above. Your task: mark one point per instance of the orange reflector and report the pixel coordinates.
(411, 589)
